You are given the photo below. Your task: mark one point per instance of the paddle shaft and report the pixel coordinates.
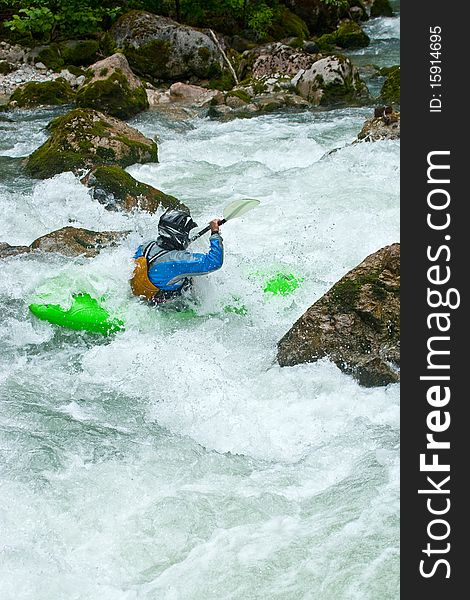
(205, 230)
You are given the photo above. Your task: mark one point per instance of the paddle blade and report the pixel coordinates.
(239, 208)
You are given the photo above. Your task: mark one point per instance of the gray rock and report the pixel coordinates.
(278, 60)
(383, 127)
(356, 323)
(160, 48)
(329, 80)
(113, 88)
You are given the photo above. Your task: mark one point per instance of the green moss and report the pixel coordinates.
(386, 71)
(56, 56)
(348, 35)
(43, 93)
(240, 94)
(81, 54)
(150, 60)
(137, 148)
(381, 8)
(51, 57)
(77, 71)
(287, 24)
(259, 87)
(113, 96)
(73, 145)
(346, 292)
(390, 92)
(103, 72)
(107, 45)
(5, 67)
(225, 82)
(204, 53)
(326, 42)
(116, 181)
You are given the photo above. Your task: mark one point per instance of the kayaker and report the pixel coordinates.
(164, 267)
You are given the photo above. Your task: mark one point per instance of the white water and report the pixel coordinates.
(177, 460)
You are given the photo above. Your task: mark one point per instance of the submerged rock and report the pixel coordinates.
(117, 190)
(159, 48)
(113, 88)
(6, 250)
(356, 323)
(74, 241)
(385, 125)
(331, 80)
(47, 93)
(84, 138)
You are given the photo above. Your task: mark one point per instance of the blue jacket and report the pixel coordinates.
(169, 271)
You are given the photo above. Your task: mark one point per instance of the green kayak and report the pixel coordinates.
(85, 314)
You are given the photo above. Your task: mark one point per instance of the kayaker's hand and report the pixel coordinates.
(214, 225)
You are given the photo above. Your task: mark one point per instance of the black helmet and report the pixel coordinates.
(173, 229)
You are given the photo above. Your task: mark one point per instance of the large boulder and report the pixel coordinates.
(51, 93)
(356, 323)
(117, 190)
(84, 138)
(160, 48)
(331, 80)
(113, 88)
(74, 241)
(384, 125)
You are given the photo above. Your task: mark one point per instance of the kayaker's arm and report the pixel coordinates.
(198, 263)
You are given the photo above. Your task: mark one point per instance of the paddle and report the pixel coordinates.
(235, 209)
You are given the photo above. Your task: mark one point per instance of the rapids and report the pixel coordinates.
(177, 460)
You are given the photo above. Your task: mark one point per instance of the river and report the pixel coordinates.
(177, 460)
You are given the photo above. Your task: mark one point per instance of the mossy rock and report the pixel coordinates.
(51, 57)
(287, 24)
(113, 95)
(57, 55)
(77, 71)
(116, 189)
(242, 94)
(107, 45)
(349, 35)
(50, 93)
(224, 82)
(381, 8)
(5, 67)
(333, 81)
(353, 92)
(81, 54)
(390, 92)
(84, 138)
(150, 59)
